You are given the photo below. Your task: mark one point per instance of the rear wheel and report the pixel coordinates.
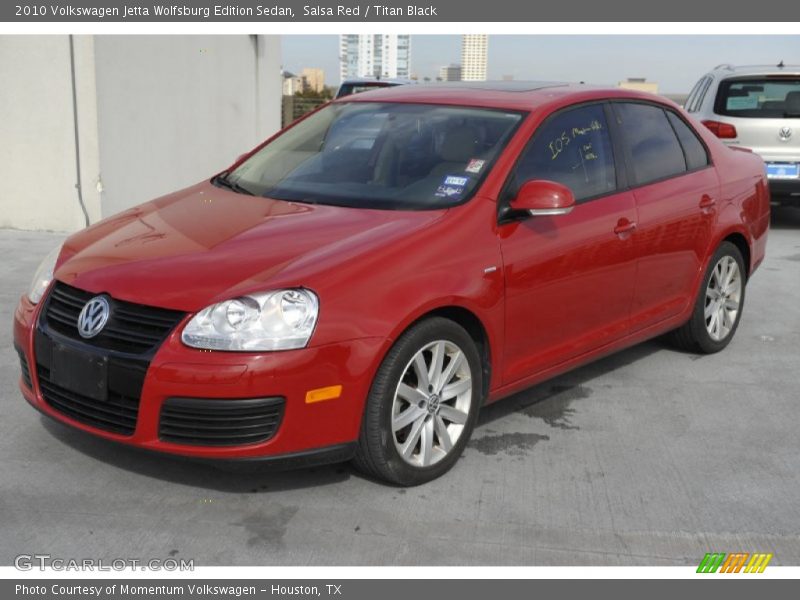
(422, 406)
(719, 304)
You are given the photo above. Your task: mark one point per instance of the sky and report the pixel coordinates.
(675, 62)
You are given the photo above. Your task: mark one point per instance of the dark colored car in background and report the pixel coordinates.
(361, 284)
(367, 84)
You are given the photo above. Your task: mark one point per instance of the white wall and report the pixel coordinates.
(37, 136)
(176, 109)
(155, 113)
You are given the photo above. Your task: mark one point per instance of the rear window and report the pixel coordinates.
(764, 98)
(693, 149)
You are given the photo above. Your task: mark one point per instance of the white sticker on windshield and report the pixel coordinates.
(475, 165)
(449, 191)
(455, 180)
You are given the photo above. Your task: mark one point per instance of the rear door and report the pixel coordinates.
(676, 191)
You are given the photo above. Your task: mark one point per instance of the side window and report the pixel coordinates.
(653, 146)
(574, 149)
(702, 96)
(693, 149)
(690, 100)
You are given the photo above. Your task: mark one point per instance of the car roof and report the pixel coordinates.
(745, 70)
(512, 95)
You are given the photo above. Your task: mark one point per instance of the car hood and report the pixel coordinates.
(205, 244)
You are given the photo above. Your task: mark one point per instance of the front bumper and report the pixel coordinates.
(307, 431)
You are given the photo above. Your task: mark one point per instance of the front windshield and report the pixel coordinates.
(380, 155)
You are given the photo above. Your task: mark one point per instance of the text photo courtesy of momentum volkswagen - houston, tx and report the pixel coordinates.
(346, 292)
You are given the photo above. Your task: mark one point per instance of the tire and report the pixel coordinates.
(402, 413)
(710, 334)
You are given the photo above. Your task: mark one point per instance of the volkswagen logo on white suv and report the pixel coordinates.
(93, 317)
(785, 133)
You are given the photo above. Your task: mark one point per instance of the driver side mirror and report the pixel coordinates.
(540, 198)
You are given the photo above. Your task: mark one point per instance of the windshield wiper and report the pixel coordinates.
(791, 115)
(223, 181)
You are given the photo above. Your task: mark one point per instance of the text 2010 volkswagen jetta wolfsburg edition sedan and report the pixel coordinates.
(361, 284)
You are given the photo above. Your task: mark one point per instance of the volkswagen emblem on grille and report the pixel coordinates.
(93, 317)
(785, 133)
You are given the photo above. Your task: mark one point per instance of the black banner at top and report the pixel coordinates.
(354, 11)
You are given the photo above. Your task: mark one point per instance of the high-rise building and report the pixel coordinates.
(474, 57)
(374, 55)
(450, 73)
(313, 79)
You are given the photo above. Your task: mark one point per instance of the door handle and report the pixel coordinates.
(707, 203)
(624, 226)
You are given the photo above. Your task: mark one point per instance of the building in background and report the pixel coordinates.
(309, 80)
(450, 73)
(474, 57)
(313, 79)
(640, 84)
(387, 56)
(102, 123)
(292, 83)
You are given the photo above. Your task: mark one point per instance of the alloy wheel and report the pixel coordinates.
(723, 298)
(432, 403)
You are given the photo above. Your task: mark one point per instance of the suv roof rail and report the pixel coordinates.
(726, 66)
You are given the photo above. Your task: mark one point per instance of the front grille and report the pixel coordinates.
(117, 413)
(195, 421)
(23, 363)
(131, 328)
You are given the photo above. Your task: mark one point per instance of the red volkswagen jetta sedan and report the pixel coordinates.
(361, 284)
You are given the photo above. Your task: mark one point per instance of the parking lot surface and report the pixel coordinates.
(648, 457)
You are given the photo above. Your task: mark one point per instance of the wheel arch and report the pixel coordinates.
(474, 326)
(740, 241)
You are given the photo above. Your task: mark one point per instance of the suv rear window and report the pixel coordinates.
(759, 98)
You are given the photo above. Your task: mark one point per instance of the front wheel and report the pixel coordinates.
(718, 308)
(422, 406)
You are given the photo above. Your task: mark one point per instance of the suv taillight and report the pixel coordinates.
(725, 131)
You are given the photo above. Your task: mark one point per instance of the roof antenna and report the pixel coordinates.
(780, 64)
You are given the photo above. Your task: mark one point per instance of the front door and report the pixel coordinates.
(569, 278)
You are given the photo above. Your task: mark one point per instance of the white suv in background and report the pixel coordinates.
(758, 108)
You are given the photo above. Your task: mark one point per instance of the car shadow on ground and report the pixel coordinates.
(229, 478)
(552, 399)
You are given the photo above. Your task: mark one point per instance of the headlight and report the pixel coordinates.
(281, 320)
(43, 276)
